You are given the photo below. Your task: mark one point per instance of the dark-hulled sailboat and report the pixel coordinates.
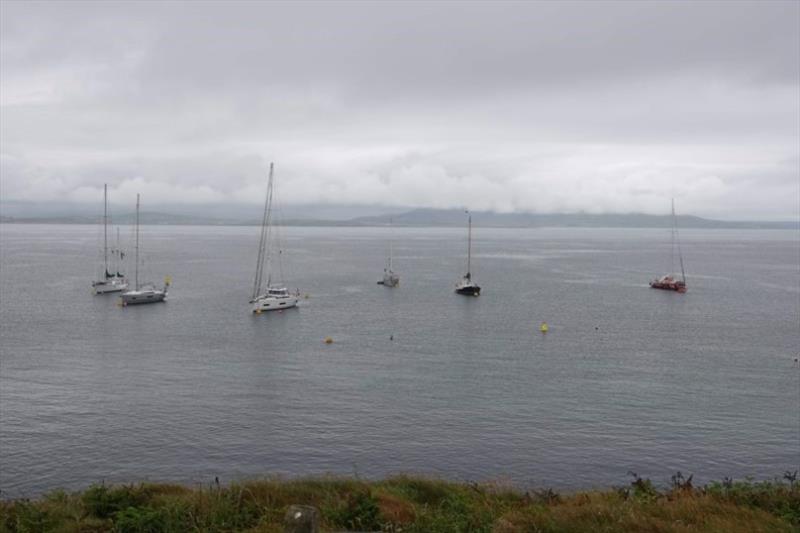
(390, 278)
(467, 285)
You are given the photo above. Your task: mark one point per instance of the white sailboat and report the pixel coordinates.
(110, 281)
(269, 296)
(390, 279)
(466, 285)
(145, 293)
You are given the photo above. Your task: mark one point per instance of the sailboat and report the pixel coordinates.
(145, 293)
(111, 281)
(390, 279)
(270, 296)
(669, 282)
(467, 286)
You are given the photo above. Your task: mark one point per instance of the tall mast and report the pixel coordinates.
(136, 277)
(391, 226)
(105, 229)
(469, 244)
(119, 256)
(677, 240)
(672, 240)
(263, 239)
(267, 250)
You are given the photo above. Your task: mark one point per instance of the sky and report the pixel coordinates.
(542, 107)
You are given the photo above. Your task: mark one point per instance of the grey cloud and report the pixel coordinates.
(518, 106)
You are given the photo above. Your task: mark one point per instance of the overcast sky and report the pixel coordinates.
(541, 107)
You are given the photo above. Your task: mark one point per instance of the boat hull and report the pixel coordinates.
(668, 283)
(142, 297)
(390, 280)
(468, 290)
(111, 285)
(674, 286)
(271, 303)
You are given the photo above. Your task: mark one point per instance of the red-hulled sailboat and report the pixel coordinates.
(670, 282)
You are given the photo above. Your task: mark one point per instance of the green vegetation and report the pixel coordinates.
(413, 504)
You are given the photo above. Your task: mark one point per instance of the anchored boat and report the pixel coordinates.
(390, 279)
(467, 286)
(669, 282)
(270, 296)
(110, 281)
(145, 293)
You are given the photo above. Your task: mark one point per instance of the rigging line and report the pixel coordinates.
(672, 240)
(469, 245)
(278, 221)
(136, 285)
(105, 230)
(260, 260)
(267, 250)
(678, 241)
(98, 243)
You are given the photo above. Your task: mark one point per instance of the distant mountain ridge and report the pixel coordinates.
(453, 217)
(433, 217)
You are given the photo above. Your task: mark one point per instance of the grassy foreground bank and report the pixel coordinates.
(410, 504)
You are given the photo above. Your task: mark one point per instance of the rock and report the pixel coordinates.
(301, 519)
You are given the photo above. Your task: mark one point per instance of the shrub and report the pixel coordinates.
(143, 520)
(104, 502)
(361, 511)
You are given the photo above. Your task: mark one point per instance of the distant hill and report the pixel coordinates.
(452, 217)
(431, 217)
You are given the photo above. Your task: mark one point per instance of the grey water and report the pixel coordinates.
(418, 379)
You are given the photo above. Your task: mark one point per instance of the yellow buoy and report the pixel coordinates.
(544, 328)
(328, 340)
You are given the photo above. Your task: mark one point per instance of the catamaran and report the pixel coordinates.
(111, 281)
(669, 282)
(390, 279)
(467, 286)
(145, 293)
(270, 296)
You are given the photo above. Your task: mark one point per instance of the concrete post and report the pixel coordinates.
(301, 519)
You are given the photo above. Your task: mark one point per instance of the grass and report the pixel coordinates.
(413, 504)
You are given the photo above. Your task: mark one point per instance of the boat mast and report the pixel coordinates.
(268, 238)
(263, 239)
(672, 241)
(391, 226)
(105, 229)
(677, 240)
(469, 244)
(118, 255)
(136, 276)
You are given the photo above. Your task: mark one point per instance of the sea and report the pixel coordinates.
(417, 379)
